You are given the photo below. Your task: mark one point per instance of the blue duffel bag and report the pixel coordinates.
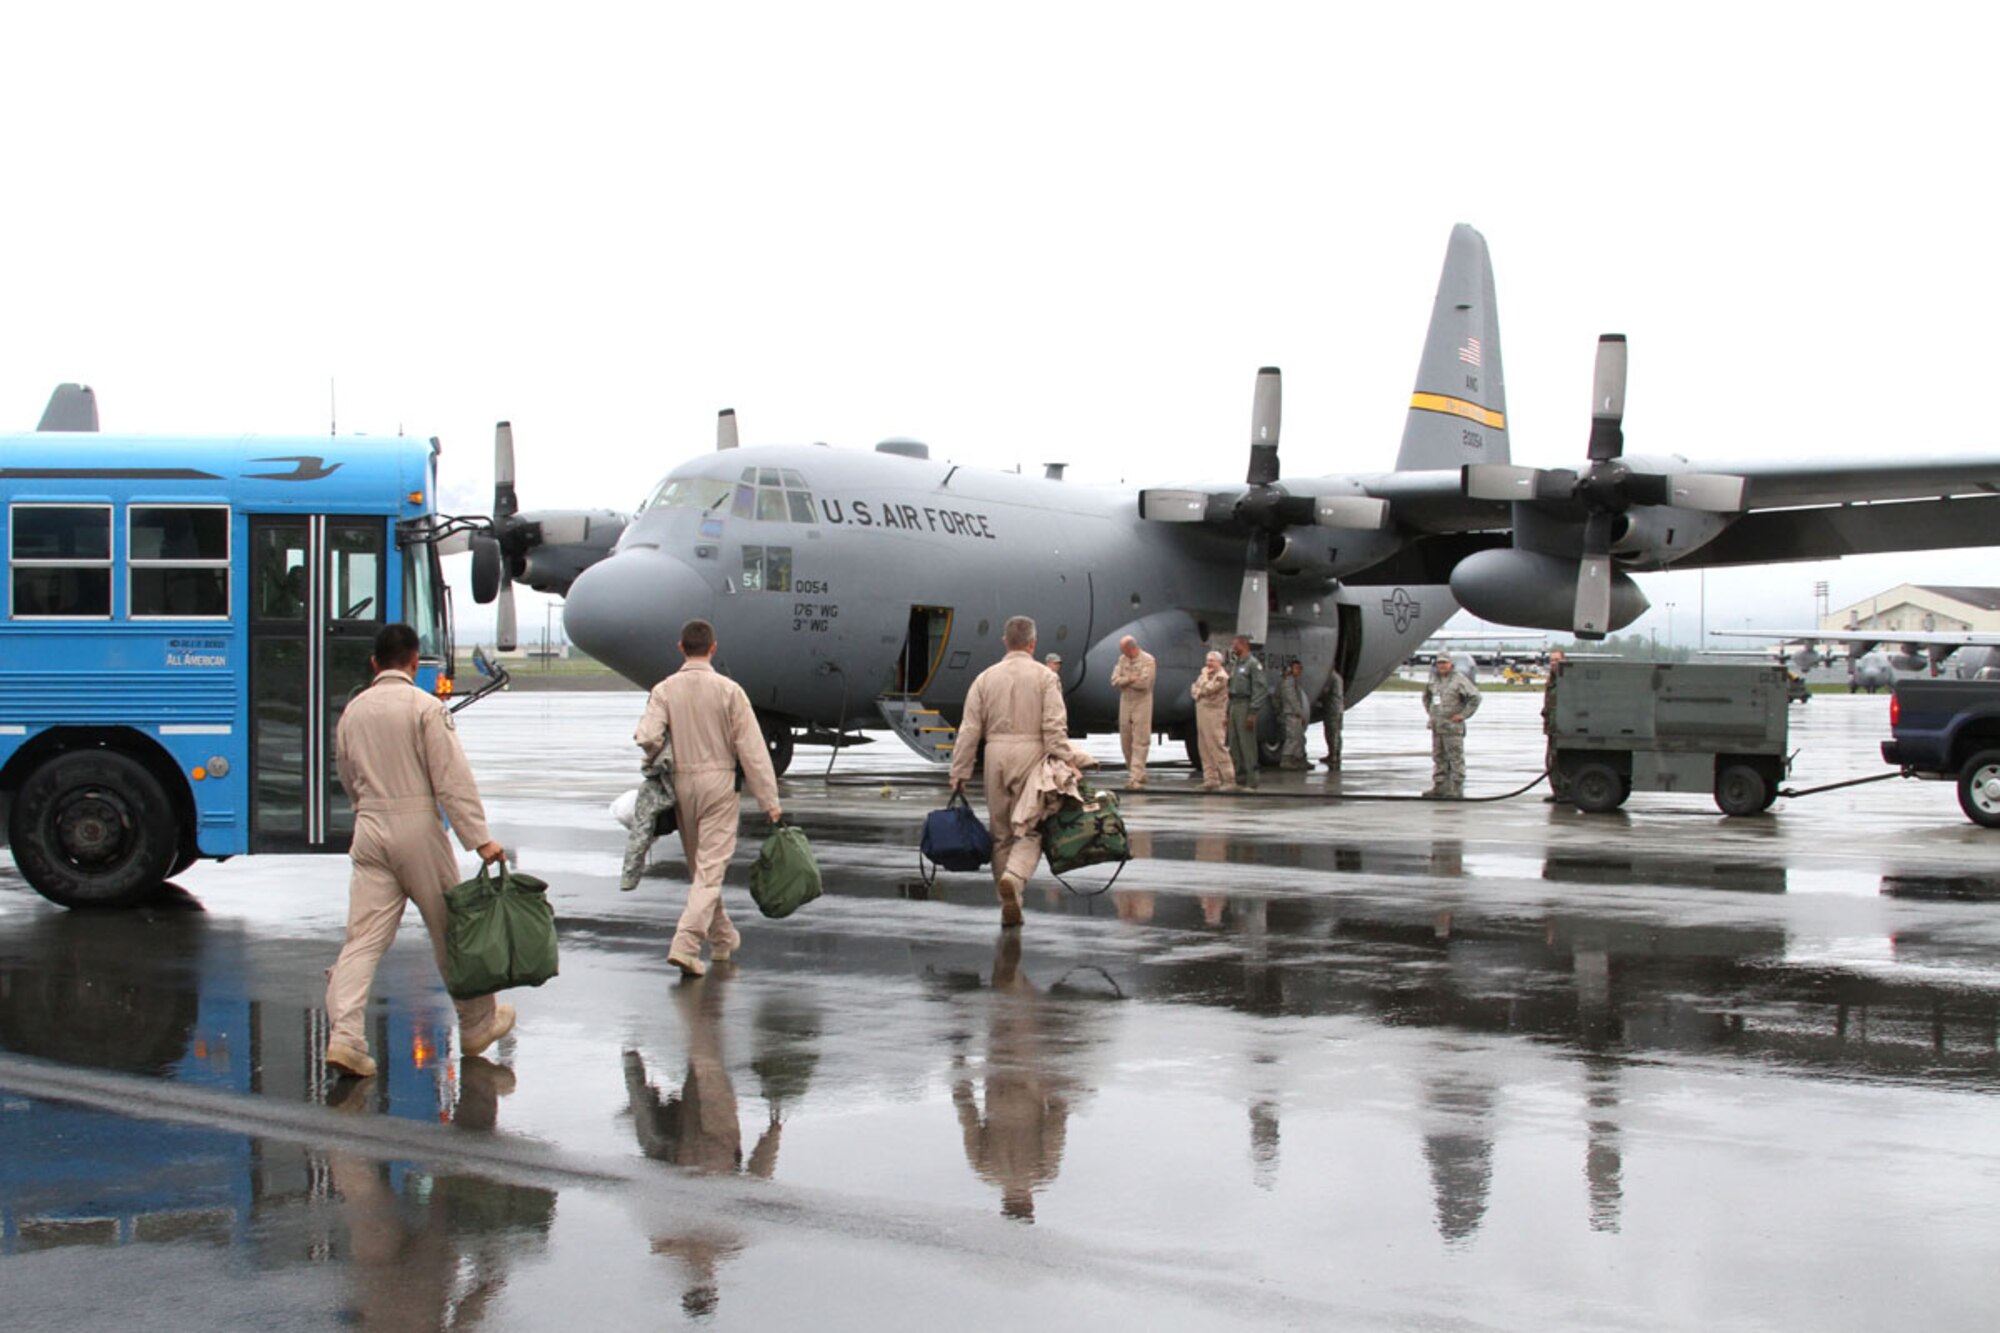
(954, 839)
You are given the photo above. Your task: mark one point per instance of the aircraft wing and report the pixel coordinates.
(1913, 637)
(1784, 485)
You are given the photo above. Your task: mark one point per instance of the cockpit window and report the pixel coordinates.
(773, 495)
(688, 493)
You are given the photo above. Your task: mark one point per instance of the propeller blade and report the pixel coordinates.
(725, 428)
(1265, 410)
(1710, 492)
(1607, 399)
(1253, 605)
(1593, 596)
(1498, 481)
(503, 619)
(1173, 506)
(505, 505)
(1253, 609)
(1361, 512)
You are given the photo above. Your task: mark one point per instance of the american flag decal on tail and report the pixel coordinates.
(1470, 352)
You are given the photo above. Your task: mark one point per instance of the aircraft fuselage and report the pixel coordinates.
(836, 576)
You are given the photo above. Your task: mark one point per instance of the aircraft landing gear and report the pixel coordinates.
(779, 741)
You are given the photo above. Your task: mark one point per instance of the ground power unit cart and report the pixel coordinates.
(1620, 727)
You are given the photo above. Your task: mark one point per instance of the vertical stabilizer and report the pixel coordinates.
(1458, 413)
(71, 407)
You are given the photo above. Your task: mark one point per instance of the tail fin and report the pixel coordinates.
(71, 407)
(1458, 413)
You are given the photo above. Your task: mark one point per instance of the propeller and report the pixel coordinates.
(1264, 507)
(1606, 489)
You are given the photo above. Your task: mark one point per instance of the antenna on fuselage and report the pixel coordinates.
(725, 429)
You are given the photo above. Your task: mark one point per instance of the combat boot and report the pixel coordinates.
(492, 1030)
(688, 964)
(350, 1059)
(1010, 901)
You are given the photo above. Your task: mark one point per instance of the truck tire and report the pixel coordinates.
(1596, 788)
(1979, 789)
(93, 828)
(1741, 790)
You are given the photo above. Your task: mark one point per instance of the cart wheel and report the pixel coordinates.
(1979, 789)
(1741, 790)
(1596, 788)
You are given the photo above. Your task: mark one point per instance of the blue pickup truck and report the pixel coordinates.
(1950, 729)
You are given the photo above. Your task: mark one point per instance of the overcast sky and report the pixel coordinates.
(1023, 233)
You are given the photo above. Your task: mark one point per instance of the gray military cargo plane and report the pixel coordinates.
(1876, 659)
(847, 585)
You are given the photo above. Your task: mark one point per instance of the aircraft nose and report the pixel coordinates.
(627, 610)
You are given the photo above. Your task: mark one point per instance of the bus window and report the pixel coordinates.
(420, 599)
(278, 571)
(61, 560)
(178, 561)
(357, 572)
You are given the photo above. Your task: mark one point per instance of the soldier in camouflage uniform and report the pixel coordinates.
(1248, 694)
(1294, 709)
(656, 794)
(1449, 699)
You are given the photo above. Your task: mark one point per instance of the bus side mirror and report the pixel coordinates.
(481, 662)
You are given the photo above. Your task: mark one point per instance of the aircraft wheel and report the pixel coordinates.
(93, 828)
(778, 740)
(1979, 789)
(1741, 790)
(1596, 788)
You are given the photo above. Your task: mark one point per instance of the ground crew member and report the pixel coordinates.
(1558, 784)
(713, 729)
(1333, 705)
(1054, 663)
(1211, 724)
(1292, 707)
(1133, 677)
(399, 760)
(1016, 707)
(1449, 699)
(1248, 693)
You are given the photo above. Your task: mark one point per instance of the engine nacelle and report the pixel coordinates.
(1653, 535)
(1533, 590)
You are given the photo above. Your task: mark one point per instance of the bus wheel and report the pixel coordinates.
(93, 828)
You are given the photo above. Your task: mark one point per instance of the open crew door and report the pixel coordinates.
(316, 598)
(922, 728)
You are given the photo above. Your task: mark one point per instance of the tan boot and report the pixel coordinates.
(349, 1059)
(477, 1040)
(1010, 901)
(688, 964)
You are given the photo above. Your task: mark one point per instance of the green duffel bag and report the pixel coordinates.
(785, 877)
(1085, 832)
(502, 934)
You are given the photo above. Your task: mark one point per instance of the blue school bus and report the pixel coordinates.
(185, 618)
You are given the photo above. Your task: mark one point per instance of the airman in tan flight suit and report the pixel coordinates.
(1133, 677)
(399, 760)
(713, 730)
(1016, 707)
(1211, 724)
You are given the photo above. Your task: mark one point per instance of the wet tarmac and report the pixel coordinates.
(1310, 1063)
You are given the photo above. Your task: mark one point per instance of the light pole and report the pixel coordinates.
(1670, 628)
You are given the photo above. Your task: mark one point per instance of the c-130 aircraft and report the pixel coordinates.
(848, 586)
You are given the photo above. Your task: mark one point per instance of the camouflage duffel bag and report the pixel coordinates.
(1085, 832)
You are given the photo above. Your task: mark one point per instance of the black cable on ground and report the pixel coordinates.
(1835, 786)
